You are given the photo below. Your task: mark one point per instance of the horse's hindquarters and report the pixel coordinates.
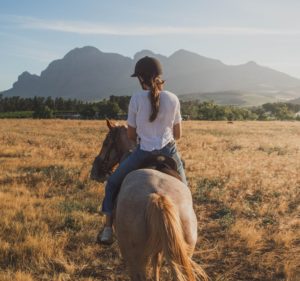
(131, 227)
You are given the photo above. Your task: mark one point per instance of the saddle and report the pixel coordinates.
(159, 162)
(162, 163)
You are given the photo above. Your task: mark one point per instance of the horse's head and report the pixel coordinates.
(112, 151)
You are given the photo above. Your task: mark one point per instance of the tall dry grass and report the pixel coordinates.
(244, 177)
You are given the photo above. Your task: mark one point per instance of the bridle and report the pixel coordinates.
(112, 137)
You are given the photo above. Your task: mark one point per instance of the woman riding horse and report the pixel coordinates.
(154, 120)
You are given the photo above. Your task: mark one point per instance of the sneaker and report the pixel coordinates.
(106, 237)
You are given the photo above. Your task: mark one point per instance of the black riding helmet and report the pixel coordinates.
(147, 67)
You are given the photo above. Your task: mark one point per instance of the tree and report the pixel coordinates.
(283, 113)
(89, 111)
(59, 103)
(189, 108)
(44, 112)
(108, 109)
(207, 110)
(121, 101)
(50, 103)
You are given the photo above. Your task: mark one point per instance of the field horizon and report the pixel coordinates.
(244, 177)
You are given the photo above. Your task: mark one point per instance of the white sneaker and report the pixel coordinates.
(106, 236)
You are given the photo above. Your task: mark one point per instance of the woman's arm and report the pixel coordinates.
(131, 132)
(177, 131)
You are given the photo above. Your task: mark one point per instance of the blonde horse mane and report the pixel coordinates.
(166, 237)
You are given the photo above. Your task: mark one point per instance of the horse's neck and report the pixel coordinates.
(126, 144)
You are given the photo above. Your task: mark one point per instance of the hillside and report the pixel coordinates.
(296, 101)
(239, 98)
(89, 74)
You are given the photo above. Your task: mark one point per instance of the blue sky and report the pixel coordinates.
(35, 32)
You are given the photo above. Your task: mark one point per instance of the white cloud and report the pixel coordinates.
(82, 27)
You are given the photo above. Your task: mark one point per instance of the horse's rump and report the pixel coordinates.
(155, 215)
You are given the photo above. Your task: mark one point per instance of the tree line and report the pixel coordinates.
(208, 110)
(116, 107)
(41, 107)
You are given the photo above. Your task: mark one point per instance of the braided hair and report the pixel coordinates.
(155, 84)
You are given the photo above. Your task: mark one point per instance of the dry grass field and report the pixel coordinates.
(245, 180)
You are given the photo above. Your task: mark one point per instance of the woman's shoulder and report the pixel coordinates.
(139, 94)
(170, 96)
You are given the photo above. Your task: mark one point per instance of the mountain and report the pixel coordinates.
(295, 101)
(236, 98)
(84, 73)
(89, 74)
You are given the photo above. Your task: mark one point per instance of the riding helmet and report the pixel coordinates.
(147, 67)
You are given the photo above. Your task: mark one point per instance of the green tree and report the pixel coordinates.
(108, 109)
(44, 112)
(88, 111)
(189, 108)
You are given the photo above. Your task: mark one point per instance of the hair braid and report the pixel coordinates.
(154, 100)
(155, 84)
(154, 94)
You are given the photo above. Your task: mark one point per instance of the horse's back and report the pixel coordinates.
(133, 200)
(139, 184)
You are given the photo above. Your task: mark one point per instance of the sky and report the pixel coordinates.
(33, 32)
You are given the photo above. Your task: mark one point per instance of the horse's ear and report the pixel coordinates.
(110, 124)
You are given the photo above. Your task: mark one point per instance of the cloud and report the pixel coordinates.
(93, 28)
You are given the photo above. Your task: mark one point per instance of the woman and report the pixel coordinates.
(154, 119)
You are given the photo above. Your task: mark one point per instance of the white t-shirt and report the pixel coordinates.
(154, 135)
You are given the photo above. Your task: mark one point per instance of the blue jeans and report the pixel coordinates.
(131, 163)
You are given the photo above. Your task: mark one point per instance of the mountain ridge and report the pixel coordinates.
(87, 73)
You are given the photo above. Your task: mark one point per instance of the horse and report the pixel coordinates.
(154, 217)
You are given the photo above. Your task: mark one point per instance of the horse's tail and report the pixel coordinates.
(166, 236)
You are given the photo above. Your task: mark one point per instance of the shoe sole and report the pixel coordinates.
(109, 242)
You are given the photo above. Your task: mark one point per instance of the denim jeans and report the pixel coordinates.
(131, 163)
